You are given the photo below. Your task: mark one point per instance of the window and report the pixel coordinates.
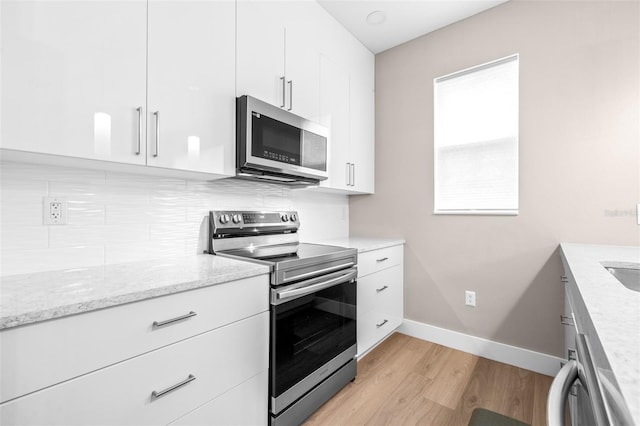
(476, 140)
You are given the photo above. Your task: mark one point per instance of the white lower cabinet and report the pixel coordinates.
(197, 369)
(232, 408)
(380, 296)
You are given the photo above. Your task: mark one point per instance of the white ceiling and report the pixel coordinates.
(405, 19)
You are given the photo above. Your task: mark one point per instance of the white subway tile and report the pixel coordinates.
(14, 237)
(134, 252)
(23, 261)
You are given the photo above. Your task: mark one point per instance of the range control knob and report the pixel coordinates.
(285, 217)
(224, 218)
(236, 218)
(294, 218)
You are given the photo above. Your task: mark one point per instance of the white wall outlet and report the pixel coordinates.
(470, 298)
(54, 211)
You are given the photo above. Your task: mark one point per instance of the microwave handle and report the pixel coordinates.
(559, 392)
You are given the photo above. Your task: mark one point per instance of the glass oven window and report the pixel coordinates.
(274, 140)
(309, 332)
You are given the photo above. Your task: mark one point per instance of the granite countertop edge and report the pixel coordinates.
(111, 285)
(364, 243)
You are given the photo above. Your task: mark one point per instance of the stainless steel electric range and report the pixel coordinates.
(313, 307)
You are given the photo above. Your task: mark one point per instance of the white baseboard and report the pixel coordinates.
(512, 355)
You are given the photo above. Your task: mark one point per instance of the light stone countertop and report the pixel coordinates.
(29, 298)
(614, 311)
(364, 244)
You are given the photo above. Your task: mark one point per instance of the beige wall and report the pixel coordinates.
(579, 164)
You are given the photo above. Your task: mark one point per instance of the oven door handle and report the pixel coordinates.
(320, 272)
(303, 291)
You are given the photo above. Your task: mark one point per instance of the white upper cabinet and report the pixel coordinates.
(73, 78)
(334, 114)
(260, 52)
(278, 58)
(191, 77)
(347, 107)
(362, 136)
(136, 82)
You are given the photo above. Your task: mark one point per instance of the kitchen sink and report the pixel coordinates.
(627, 273)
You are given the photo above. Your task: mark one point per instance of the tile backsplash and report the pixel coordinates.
(117, 217)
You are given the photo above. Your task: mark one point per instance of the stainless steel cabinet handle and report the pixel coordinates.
(560, 388)
(353, 174)
(564, 279)
(158, 324)
(566, 320)
(382, 259)
(159, 394)
(284, 96)
(157, 115)
(378, 290)
(382, 323)
(348, 174)
(139, 109)
(290, 95)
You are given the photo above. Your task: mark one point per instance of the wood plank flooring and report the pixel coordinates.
(408, 381)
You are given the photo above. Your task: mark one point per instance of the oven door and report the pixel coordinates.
(313, 334)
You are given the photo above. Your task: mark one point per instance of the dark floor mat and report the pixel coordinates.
(482, 417)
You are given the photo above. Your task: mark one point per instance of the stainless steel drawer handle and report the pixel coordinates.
(160, 394)
(382, 323)
(382, 260)
(566, 320)
(157, 324)
(378, 290)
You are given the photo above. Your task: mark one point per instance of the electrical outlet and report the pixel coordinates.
(54, 211)
(470, 298)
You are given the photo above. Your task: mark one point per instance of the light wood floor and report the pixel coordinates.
(407, 381)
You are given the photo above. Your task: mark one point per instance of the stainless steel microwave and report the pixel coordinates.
(275, 145)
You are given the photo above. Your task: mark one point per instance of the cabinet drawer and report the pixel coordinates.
(373, 326)
(381, 291)
(246, 404)
(42, 354)
(377, 260)
(122, 394)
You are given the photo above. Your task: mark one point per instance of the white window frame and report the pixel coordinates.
(471, 211)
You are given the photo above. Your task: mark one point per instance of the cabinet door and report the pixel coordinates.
(260, 51)
(303, 22)
(73, 76)
(334, 114)
(191, 94)
(362, 140)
